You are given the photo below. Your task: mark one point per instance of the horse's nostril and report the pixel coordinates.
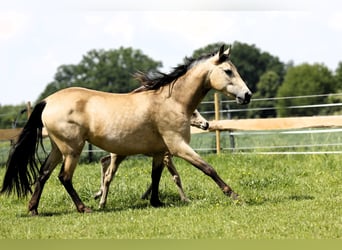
(248, 96)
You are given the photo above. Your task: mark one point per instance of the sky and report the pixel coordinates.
(37, 36)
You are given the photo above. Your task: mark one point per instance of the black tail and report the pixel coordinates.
(19, 176)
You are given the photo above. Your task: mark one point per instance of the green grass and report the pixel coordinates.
(285, 197)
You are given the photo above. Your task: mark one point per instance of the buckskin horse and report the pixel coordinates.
(151, 121)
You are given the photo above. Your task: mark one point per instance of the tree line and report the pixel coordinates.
(266, 76)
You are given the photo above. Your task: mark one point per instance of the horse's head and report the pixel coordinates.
(197, 120)
(225, 78)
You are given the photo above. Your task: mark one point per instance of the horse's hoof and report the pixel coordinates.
(186, 200)
(98, 194)
(84, 210)
(87, 210)
(234, 196)
(144, 197)
(237, 199)
(34, 212)
(157, 203)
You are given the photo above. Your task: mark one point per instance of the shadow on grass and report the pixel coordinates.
(301, 197)
(46, 214)
(274, 200)
(168, 199)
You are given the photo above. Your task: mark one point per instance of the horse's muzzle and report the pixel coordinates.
(245, 98)
(205, 126)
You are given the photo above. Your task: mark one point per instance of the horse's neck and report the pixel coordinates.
(190, 89)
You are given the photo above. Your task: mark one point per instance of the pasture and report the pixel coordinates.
(285, 197)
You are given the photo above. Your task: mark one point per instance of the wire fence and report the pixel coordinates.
(229, 110)
(300, 141)
(304, 141)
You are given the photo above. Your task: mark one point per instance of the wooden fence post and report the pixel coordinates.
(29, 109)
(217, 117)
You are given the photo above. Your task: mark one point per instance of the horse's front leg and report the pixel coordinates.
(187, 153)
(157, 169)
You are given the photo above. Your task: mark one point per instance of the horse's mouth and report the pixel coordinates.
(241, 101)
(244, 99)
(205, 126)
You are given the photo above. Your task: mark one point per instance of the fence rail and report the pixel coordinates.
(273, 124)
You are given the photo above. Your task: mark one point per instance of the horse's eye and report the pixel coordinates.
(229, 72)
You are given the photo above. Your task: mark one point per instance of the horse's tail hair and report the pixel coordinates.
(21, 167)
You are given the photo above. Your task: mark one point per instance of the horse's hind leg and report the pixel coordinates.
(46, 169)
(65, 176)
(147, 193)
(167, 161)
(115, 161)
(105, 162)
(175, 176)
(157, 169)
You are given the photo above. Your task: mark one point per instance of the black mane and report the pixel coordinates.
(157, 79)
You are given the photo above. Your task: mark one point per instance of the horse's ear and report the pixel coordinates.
(227, 52)
(222, 55)
(221, 51)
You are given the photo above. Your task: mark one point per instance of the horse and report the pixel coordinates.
(109, 168)
(151, 121)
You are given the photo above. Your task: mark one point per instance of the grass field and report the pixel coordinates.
(285, 197)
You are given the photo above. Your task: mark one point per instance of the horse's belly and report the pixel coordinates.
(130, 143)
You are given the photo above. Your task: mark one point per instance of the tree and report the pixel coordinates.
(267, 88)
(338, 77)
(304, 80)
(12, 115)
(105, 70)
(336, 98)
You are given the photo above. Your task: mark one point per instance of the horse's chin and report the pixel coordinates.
(239, 100)
(242, 101)
(205, 126)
